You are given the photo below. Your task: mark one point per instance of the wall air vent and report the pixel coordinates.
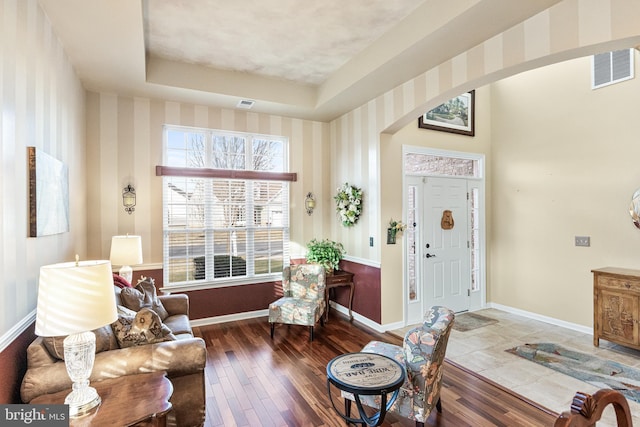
(611, 67)
(245, 104)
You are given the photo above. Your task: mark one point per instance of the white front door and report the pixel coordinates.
(446, 252)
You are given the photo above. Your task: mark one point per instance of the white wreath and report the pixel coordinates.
(348, 204)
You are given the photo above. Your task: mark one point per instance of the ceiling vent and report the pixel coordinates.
(245, 104)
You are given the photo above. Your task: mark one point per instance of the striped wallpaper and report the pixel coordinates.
(42, 102)
(41, 105)
(113, 124)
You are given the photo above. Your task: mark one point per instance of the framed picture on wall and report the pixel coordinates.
(457, 115)
(48, 194)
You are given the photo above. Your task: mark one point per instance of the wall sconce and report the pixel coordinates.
(129, 199)
(309, 203)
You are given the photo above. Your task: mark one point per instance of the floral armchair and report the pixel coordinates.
(303, 302)
(422, 355)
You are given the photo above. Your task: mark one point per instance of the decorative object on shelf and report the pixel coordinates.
(74, 298)
(129, 199)
(309, 203)
(125, 252)
(348, 204)
(326, 253)
(447, 220)
(457, 115)
(394, 228)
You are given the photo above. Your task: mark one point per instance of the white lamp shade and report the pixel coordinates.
(75, 297)
(126, 250)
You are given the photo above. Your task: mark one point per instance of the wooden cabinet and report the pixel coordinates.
(616, 301)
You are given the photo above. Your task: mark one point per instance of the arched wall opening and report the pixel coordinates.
(501, 245)
(567, 30)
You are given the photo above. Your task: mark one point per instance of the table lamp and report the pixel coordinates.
(74, 298)
(125, 252)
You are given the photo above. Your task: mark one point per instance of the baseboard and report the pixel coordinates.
(264, 313)
(344, 310)
(361, 319)
(229, 318)
(546, 319)
(394, 326)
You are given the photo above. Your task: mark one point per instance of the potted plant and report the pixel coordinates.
(326, 253)
(394, 228)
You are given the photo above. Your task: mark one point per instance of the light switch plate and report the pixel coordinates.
(583, 241)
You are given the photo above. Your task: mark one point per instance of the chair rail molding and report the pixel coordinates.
(17, 330)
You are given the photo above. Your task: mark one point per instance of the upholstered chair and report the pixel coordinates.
(303, 300)
(422, 355)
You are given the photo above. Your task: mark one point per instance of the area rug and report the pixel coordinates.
(469, 321)
(596, 371)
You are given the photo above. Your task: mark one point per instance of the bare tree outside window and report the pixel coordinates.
(214, 212)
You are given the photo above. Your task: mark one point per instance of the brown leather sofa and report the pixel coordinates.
(183, 360)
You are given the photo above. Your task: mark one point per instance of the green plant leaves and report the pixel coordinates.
(327, 253)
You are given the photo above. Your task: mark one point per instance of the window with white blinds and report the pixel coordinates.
(612, 67)
(223, 229)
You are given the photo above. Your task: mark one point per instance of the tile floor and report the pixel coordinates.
(483, 351)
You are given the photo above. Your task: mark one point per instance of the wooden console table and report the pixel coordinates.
(338, 278)
(616, 306)
(130, 400)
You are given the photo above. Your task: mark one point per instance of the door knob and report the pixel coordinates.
(430, 256)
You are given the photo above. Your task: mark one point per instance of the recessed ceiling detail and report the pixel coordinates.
(300, 41)
(295, 58)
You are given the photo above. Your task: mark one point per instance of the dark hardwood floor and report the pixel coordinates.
(255, 381)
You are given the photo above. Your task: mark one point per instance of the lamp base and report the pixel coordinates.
(126, 272)
(81, 402)
(79, 354)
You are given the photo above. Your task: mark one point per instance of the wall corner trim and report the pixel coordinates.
(16, 330)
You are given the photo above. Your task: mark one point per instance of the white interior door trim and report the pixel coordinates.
(478, 296)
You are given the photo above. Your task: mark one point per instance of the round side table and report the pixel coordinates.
(365, 374)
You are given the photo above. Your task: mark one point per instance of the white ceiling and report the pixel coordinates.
(314, 60)
(301, 41)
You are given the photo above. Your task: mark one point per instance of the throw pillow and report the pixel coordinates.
(120, 281)
(144, 327)
(105, 340)
(143, 295)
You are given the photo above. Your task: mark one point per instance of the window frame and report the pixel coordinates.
(249, 177)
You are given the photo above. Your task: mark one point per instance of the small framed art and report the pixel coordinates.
(457, 115)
